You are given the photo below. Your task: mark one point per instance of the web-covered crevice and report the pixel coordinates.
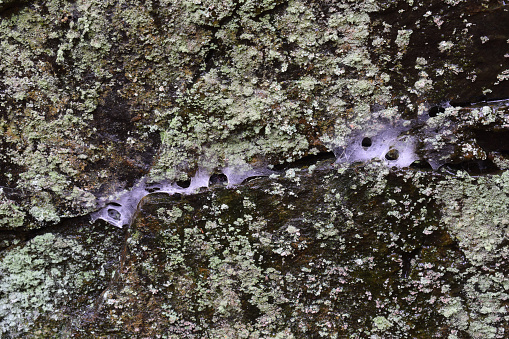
(441, 137)
(119, 211)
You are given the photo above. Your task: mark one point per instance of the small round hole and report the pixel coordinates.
(421, 165)
(217, 179)
(435, 110)
(114, 214)
(366, 142)
(393, 154)
(184, 183)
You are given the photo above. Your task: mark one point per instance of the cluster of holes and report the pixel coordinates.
(391, 155)
(400, 153)
(120, 212)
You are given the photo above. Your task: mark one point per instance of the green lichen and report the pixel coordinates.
(92, 91)
(475, 212)
(90, 97)
(36, 280)
(381, 323)
(11, 214)
(46, 282)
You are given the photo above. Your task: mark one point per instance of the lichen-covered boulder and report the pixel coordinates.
(317, 252)
(201, 127)
(51, 280)
(97, 94)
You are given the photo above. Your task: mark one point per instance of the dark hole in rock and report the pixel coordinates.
(184, 183)
(435, 110)
(114, 204)
(216, 179)
(114, 214)
(497, 141)
(482, 99)
(393, 154)
(421, 165)
(366, 142)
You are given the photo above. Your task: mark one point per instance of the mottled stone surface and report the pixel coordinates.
(96, 94)
(316, 252)
(404, 237)
(52, 279)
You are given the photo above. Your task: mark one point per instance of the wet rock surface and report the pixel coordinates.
(331, 168)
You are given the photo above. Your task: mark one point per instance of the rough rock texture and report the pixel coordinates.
(318, 253)
(404, 236)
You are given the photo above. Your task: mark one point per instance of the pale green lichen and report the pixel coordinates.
(223, 119)
(36, 280)
(47, 281)
(381, 323)
(403, 38)
(445, 46)
(11, 214)
(476, 214)
(228, 83)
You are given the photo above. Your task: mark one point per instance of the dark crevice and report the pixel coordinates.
(422, 165)
(153, 189)
(472, 167)
(435, 110)
(479, 100)
(493, 141)
(306, 161)
(24, 235)
(254, 177)
(407, 261)
(184, 183)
